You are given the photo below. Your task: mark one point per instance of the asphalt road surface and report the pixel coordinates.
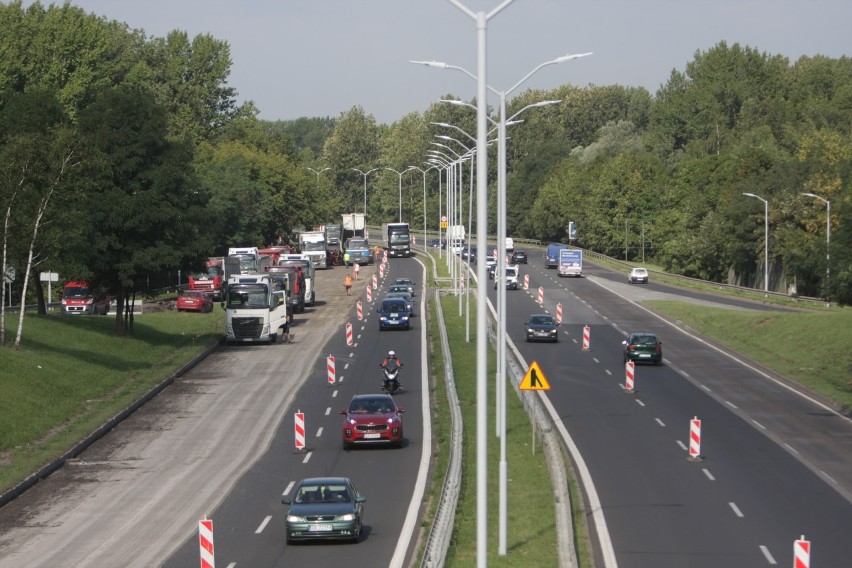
(220, 443)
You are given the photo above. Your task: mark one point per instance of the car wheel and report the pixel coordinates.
(556, 339)
(347, 446)
(659, 362)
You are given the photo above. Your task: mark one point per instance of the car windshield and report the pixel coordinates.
(191, 294)
(325, 493)
(396, 306)
(247, 296)
(357, 244)
(399, 238)
(76, 292)
(371, 406)
(403, 282)
(313, 246)
(541, 320)
(397, 288)
(645, 340)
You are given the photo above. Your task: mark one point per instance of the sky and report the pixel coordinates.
(320, 58)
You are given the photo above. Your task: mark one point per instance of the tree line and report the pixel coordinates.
(125, 157)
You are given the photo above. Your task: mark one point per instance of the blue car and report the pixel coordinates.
(393, 313)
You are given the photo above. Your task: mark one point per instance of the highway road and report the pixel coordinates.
(775, 464)
(220, 443)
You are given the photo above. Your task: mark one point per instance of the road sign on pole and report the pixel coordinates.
(534, 379)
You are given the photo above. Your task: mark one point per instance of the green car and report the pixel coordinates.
(324, 508)
(643, 347)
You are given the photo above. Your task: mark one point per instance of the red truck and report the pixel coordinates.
(79, 299)
(212, 281)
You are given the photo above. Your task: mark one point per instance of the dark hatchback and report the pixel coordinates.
(324, 508)
(643, 347)
(393, 314)
(542, 327)
(519, 257)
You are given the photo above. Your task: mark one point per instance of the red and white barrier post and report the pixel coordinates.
(359, 309)
(695, 439)
(526, 281)
(349, 341)
(375, 281)
(381, 270)
(630, 368)
(587, 337)
(802, 553)
(329, 365)
(540, 296)
(559, 313)
(205, 543)
(369, 294)
(300, 430)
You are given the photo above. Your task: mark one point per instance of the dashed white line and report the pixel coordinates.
(731, 404)
(307, 457)
(736, 509)
(231, 565)
(767, 555)
(288, 488)
(345, 366)
(328, 411)
(660, 422)
(639, 402)
(263, 524)
(319, 432)
(351, 355)
(595, 359)
(607, 371)
(708, 474)
(682, 445)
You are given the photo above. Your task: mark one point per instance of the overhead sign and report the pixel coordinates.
(9, 277)
(534, 379)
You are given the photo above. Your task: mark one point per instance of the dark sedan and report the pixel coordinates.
(324, 508)
(643, 346)
(519, 257)
(542, 327)
(372, 419)
(393, 313)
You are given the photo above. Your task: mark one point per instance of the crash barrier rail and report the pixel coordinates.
(438, 542)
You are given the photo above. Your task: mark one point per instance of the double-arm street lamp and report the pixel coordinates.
(827, 239)
(365, 174)
(400, 188)
(433, 167)
(765, 240)
(318, 173)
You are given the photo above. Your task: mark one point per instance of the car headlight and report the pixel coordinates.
(404, 318)
(382, 318)
(295, 519)
(346, 517)
(529, 331)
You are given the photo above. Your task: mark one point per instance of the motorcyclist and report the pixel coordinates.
(390, 362)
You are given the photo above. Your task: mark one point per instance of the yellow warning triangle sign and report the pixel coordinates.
(534, 379)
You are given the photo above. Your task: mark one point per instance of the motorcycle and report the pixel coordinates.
(390, 383)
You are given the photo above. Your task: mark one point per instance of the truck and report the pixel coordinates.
(255, 308)
(570, 262)
(354, 225)
(359, 251)
(312, 244)
(303, 262)
(456, 238)
(396, 239)
(294, 282)
(333, 238)
(212, 280)
(551, 254)
(249, 259)
(78, 298)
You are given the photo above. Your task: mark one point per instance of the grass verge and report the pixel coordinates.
(72, 374)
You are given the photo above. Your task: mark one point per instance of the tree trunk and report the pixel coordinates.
(38, 288)
(119, 312)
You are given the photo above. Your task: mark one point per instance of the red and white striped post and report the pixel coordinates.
(695, 439)
(205, 543)
(587, 337)
(329, 365)
(559, 313)
(526, 281)
(300, 430)
(369, 294)
(802, 553)
(382, 270)
(630, 368)
(375, 281)
(348, 334)
(359, 309)
(540, 296)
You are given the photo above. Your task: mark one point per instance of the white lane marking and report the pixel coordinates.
(708, 474)
(639, 402)
(736, 509)
(791, 448)
(340, 380)
(607, 371)
(345, 366)
(759, 425)
(595, 359)
(767, 555)
(328, 410)
(351, 355)
(289, 487)
(307, 457)
(660, 422)
(574, 340)
(319, 432)
(705, 387)
(828, 477)
(231, 565)
(334, 394)
(263, 524)
(682, 445)
(731, 404)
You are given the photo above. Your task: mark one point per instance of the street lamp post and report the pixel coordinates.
(765, 240)
(433, 167)
(365, 174)
(318, 173)
(827, 239)
(400, 188)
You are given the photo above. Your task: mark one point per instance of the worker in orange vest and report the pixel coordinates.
(347, 283)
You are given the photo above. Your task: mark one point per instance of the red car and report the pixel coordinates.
(194, 301)
(372, 419)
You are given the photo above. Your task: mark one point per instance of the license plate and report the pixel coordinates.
(644, 355)
(372, 436)
(394, 316)
(319, 528)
